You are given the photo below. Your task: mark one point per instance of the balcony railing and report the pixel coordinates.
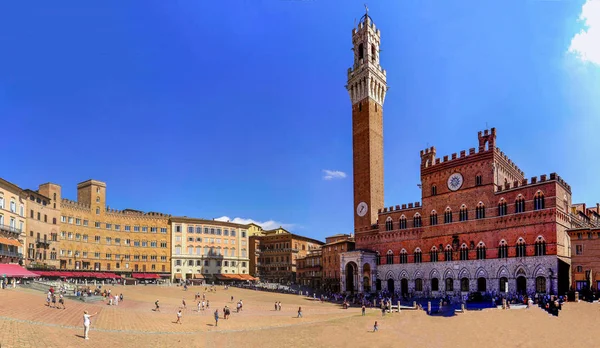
(11, 229)
(10, 254)
(43, 241)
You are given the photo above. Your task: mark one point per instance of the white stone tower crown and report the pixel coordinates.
(366, 78)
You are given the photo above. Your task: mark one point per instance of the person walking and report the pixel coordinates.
(179, 314)
(157, 309)
(299, 312)
(375, 327)
(86, 324)
(216, 317)
(61, 301)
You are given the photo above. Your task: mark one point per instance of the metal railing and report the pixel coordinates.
(10, 229)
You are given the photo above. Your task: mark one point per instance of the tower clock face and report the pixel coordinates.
(361, 209)
(455, 181)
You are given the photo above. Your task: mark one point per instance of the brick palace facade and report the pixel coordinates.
(480, 224)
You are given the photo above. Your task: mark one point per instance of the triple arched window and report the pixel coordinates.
(503, 250)
(502, 208)
(448, 253)
(402, 222)
(540, 246)
(389, 224)
(433, 220)
(403, 256)
(463, 214)
(433, 255)
(417, 220)
(481, 251)
(448, 216)
(520, 204)
(389, 258)
(480, 211)
(464, 252)
(538, 201)
(521, 248)
(418, 256)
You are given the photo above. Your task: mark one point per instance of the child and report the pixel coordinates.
(363, 310)
(178, 317)
(157, 309)
(375, 327)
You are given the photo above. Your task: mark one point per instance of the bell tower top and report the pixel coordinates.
(366, 78)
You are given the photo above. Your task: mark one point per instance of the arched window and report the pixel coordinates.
(403, 256)
(97, 211)
(433, 255)
(540, 285)
(480, 211)
(448, 216)
(402, 222)
(433, 190)
(481, 252)
(435, 284)
(521, 248)
(433, 218)
(418, 256)
(478, 180)
(502, 207)
(463, 214)
(417, 220)
(378, 259)
(449, 284)
(418, 284)
(520, 204)
(448, 253)
(389, 258)
(389, 224)
(464, 252)
(360, 51)
(13, 206)
(503, 250)
(464, 285)
(540, 246)
(538, 201)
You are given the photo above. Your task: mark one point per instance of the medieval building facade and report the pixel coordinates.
(480, 224)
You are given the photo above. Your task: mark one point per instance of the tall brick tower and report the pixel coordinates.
(367, 88)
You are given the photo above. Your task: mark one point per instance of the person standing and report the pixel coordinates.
(363, 310)
(375, 327)
(179, 314)
(216, 317)
(87, 323)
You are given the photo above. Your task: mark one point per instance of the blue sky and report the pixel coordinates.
(236, 108)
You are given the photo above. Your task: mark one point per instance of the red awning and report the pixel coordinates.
(145, 276)
(16, 271)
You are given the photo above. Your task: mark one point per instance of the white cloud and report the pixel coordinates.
(333, 174)
(586, 44)
(267, 225)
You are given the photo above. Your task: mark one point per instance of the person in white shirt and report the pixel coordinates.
(87, 323)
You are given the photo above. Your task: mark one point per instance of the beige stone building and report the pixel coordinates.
(208, 249)
(96, 238)
(41, 236)
(12, 222)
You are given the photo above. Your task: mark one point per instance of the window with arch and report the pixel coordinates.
(540, 285)
(502, 208)
(417, 220)
(478, 180)
(539, 202)
(520, 204)
(464, 252)
(480, 211)
(503, 250)
(433, 255)
(403, 257)
(389, 258)
(418, 256)
(464, 284)
(540, 246)
(435, 284)
(433, 218)
(449, 284)
(481, 251)
(360, 51)
(418, 284)
(378, 259)
(97, 211)
(463, 213)
(389, 224)
(433, 190)
(402, 223)
(448, 253)
(521, 248)
(448, 216)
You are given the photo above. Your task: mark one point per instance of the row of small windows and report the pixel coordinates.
(111, 256)
(110, 226)
(463, 252)
(478, 182)
(540, 284)
(208, 263)
(209, 230)
(110, 240)
(463, 215)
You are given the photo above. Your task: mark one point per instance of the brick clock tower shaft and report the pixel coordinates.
(367, 88)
